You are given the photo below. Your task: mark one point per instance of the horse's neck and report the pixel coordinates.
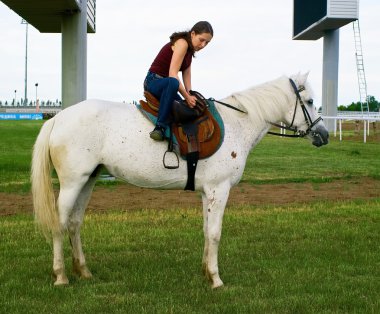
(265, 103)
(240, 124)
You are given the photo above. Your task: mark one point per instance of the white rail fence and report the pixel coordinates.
(366, 118)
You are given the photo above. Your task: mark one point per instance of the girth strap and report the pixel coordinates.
(192, 161)
(192, 157)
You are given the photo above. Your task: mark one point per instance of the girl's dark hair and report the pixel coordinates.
(202, 27)
(199, 28)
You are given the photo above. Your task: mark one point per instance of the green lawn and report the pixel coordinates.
(16, 142)
(318, 258)
(277, 160)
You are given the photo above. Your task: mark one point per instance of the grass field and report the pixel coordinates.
(17, 139)
(322, 257)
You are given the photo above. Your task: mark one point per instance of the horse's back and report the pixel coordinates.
(94, 108)
(116, 135)
(83, 132)
(93, 116)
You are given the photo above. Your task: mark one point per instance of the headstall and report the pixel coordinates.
(309, 122)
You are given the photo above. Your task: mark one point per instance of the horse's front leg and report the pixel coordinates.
(205, 228)
(214, 202)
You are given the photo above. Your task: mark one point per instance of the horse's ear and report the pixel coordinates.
(299, 78)
(303, 78)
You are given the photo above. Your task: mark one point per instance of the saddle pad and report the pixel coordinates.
(208, 146)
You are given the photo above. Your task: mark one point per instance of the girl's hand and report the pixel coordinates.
(191, 101)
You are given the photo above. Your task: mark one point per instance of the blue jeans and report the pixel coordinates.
(166, 90)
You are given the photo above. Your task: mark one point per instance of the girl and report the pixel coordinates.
(162, 79)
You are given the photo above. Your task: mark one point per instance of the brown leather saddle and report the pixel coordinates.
(196, 130)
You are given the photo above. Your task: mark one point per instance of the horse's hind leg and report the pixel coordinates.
(66, 201)
(75, 223)
(58, 263)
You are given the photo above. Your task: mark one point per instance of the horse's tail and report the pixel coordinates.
(45, 211)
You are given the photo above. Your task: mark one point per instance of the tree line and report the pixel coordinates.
(373, 105)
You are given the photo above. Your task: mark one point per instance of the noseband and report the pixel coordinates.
(309, 122)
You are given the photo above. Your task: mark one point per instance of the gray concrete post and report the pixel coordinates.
(74, 56)
(330, 76)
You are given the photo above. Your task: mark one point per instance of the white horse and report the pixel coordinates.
(83, 138)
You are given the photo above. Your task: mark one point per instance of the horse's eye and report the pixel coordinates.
(310, 101)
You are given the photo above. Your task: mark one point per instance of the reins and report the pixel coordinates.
(227, 105)
(200, 96)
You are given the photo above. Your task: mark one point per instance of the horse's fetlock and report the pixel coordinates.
(214, 239)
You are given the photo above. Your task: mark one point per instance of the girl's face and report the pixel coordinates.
(200, 41)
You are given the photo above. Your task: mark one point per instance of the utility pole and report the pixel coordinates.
(26, 63)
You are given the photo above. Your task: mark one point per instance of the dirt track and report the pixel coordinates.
(127, 197)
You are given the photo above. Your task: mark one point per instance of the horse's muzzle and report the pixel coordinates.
(319, 136)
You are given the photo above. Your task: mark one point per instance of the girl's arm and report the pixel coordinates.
(186, 77)
(179, 51)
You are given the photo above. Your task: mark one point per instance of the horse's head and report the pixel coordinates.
(302, 115)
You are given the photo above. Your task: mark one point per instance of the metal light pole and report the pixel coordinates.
(37, 102)
(15, 103)
(26, 63)
(36, 91)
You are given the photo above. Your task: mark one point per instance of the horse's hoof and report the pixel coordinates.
(81, 270)
(61, 281)
(85, 273)
(217, 284)
(215, 280)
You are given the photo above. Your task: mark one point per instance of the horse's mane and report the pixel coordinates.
(264, 102)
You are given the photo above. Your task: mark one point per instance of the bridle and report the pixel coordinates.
(309, 122)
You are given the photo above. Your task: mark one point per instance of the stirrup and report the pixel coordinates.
(170, 167)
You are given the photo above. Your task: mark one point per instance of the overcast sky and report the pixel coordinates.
(252, 44)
